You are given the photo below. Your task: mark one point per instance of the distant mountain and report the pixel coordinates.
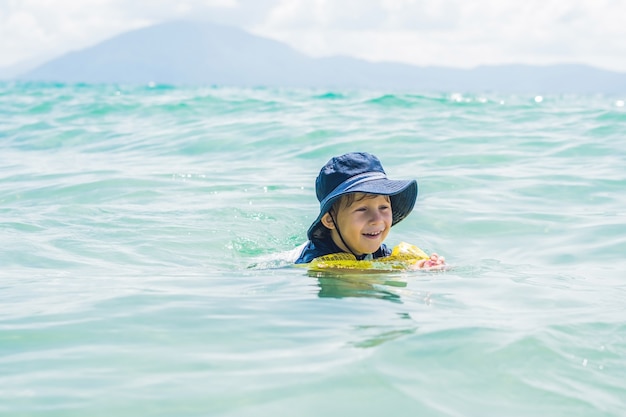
(12, 71)
(194, 53)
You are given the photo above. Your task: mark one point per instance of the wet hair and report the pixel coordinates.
(345, 200)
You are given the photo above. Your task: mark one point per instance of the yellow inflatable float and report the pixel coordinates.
(404, 256)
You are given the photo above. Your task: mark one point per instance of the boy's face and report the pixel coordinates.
(364, 223)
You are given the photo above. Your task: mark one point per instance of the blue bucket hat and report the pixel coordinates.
(360, 172)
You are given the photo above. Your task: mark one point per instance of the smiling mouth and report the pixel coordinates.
(373, 234)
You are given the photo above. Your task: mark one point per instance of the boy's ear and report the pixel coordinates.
(327, 221)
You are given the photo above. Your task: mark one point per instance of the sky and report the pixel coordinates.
(453, 33)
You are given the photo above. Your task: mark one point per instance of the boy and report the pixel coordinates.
(358, 206)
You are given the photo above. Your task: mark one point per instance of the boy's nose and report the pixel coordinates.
(376, 216)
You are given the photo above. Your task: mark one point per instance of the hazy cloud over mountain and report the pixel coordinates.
(455, 33)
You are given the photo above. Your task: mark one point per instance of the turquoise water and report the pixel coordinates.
(144, 234)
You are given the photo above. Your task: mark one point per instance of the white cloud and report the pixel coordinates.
(424, 32)
(32, 27)
(39, 27)
(455, 32)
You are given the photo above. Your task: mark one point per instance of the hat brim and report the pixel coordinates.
(402, 193)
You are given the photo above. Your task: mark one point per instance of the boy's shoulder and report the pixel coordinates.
(316, 248)
(313, 249)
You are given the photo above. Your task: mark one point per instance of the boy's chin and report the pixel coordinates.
(369, 248)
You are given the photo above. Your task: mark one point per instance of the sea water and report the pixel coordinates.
(145, 235)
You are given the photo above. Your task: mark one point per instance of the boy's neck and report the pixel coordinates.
(339, 243)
